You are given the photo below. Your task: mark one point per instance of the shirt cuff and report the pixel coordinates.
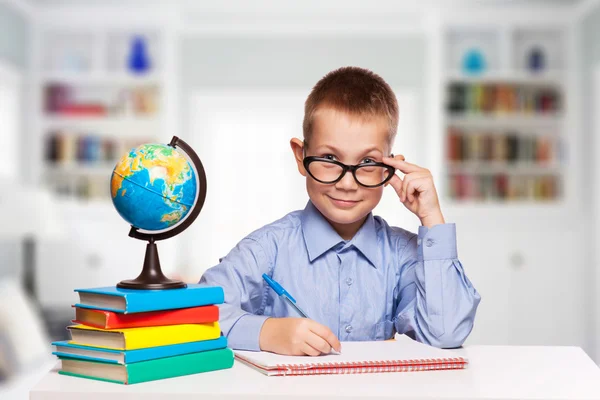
(437, 242)
(245, 333)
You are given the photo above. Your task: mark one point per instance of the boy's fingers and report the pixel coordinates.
(396, 183)
(413, 187)
(318, 343)
(325, 333)
(412, 177)
(403, 166)
(309, 350)
(405, 182)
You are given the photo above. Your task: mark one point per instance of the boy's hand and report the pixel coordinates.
(297, 337)
(416, 191)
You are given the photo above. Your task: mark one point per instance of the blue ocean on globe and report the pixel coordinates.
(153, 187)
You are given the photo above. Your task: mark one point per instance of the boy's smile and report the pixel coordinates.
(350, 139)
(343, 203)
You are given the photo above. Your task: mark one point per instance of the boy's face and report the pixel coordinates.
(351, 140)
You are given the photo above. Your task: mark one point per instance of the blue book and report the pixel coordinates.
(89, 353)
(119, 300)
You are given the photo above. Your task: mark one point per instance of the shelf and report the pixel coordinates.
(130, 125)
(555, 77)
(486, 211)
(80, 168)
(90, 68)
(518, 168)
(501, 120)
(97, 78)
(550, 44)
(73, 207)
(461, 40)
(526, 205)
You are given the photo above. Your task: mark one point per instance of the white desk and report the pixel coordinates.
(495, 372)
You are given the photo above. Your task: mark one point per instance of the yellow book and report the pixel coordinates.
(141, 338)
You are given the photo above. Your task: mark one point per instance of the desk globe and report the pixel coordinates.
(159, 192)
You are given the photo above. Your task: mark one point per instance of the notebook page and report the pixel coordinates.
(404, 348)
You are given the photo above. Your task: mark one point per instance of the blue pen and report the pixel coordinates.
(281, 292)
(285, 295)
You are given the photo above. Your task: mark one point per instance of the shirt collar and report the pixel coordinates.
(366, 241)
(320, 236)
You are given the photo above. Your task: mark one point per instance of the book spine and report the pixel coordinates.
(178, 366)
(159, 300)
(153, 336)
(110, 322)
(152, 353)
(196, 315)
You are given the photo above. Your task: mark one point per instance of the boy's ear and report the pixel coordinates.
(297, 146)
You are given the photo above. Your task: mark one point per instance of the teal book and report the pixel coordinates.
(152, 370)
(126, 301)
(71, 350)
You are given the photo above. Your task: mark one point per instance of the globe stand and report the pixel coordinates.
(151, 277)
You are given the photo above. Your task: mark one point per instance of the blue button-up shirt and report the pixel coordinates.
(384, 279)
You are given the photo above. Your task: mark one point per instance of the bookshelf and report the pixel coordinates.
(504, 109)
(88, 108)
(100, 94)
(508, 161)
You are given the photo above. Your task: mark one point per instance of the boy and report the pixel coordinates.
(356, 277)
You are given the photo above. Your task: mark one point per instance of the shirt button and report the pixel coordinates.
(348, 328)
(418, 242)
(429, 242)
(349, 281)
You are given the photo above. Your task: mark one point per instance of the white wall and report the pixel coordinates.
(10, 162)
(250, 130)
(14, 47)
(14, 36)
(230, 87)
(590, 102)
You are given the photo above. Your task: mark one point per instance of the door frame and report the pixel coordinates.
(595, 208)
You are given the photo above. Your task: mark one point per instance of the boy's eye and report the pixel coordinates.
(367, 160)
(330, 157)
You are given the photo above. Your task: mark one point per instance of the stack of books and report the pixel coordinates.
(129, 336)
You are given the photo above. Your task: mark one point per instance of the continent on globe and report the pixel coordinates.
(153, 187)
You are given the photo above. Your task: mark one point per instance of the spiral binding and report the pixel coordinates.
(367, 367)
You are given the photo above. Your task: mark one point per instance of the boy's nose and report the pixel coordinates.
(347, 182)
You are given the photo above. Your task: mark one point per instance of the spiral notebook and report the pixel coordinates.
(401, 355)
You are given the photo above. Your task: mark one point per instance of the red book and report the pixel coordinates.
(82, 110)
(112, 320)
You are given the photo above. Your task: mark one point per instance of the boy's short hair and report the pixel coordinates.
(356, 91)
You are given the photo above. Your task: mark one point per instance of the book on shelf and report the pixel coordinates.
(508, 147)
(504, 187)
(133, 100)
(64, 146)
(502, 98)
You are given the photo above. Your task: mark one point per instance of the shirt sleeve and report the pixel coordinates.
(436, 301)
(240, 275)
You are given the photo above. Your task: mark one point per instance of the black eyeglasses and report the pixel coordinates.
(370, 174)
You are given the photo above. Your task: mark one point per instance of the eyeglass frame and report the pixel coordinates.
(345, 168)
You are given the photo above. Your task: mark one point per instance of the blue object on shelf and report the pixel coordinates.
(139, 61)
(536, 60)
(474, 62)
